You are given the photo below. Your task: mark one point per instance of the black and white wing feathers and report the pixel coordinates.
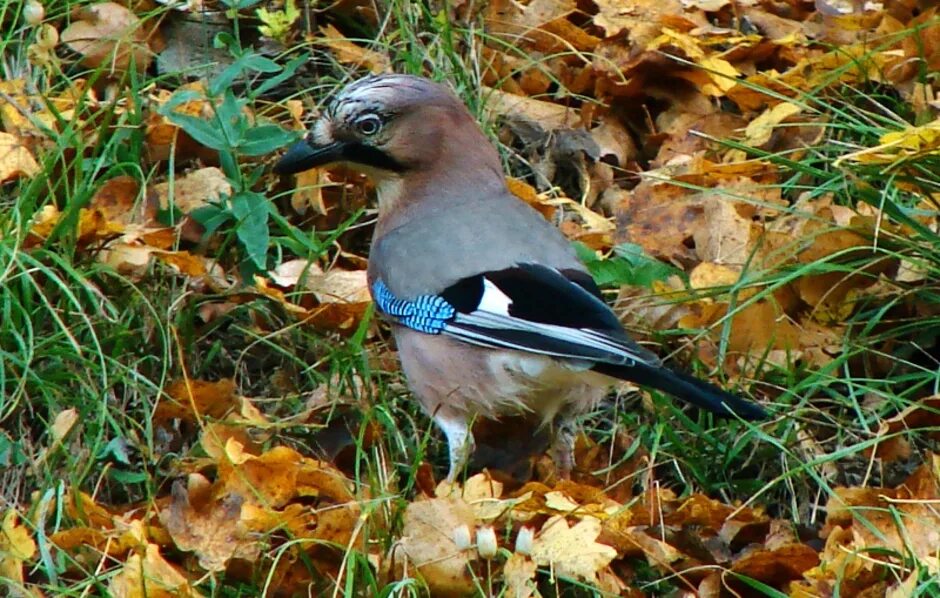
(537, 309)
(542, 310)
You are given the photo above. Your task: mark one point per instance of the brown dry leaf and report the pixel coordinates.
(661, 219)
(539, 26)
(865, 521)
(308, 191)
(15, 159)
(340, 297)
(150, 576)
(485, 497)
(572, 551)
(923, 416)
(706, 5)
(700, 510)
(16, 546)
(334, 286)
(716, 75)
(709, 275)
(828, 294)
(548, 115)
(778, 565)
(215, 436)
(16, 107)
(519, 576)
(341, 286)
(662, 307)
(213, 529)
(428, 541)
(29, 115)
(593, 222)
(269, 479)
(92, 226)
(634, 541)
(348, 52)
(299, 520)
(758, 131)
(856, 571)
(642, 21)
(117, 200)
(813, 71)
(263, 288)
(760, 326)
(191, 400)
(726, 236)
(110, 35)
(528, 194)
(119, 536)
(193, 190)
(904, 588)
(83, 508)
(133, 260)
(559, 501)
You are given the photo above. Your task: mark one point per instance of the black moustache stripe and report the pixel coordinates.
(360, 153)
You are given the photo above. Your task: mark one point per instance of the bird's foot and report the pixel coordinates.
(562, 448)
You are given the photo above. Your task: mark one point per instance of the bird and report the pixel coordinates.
(491, 310)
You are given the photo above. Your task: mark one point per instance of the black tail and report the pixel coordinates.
(685, 387)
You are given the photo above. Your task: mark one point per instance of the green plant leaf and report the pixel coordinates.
(264, 139)
(289, 69)
(203, 131)
(251, 210)
(231, 119)
(211, 217)
(628, 266)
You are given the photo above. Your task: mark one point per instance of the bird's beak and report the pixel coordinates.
(307, 154)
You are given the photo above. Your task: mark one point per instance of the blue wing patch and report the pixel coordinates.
(425, 313)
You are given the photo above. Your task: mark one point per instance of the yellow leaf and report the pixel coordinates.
(16, 546)
(348, 52)
(760, 129)
(572, 551)
(63, 424)
(519, 575)
(430, 539)
(15, 159)
(150, 576)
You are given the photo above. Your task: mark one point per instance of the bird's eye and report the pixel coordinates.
(369, 124)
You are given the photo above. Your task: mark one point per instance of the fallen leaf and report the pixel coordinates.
(150, 576)
(428, 540)
(519, 576)
(16, 547)
(194, 399)
(15, 159)
(778, 565)
(213, 530)
(63, 423)
(348, 52)
(758, 131)
(110, 35)
(572, 551)
(192, 190)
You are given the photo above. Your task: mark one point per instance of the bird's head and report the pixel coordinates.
(391, 126)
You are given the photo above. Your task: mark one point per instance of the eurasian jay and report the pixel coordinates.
(492, 312)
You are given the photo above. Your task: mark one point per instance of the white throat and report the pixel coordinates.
(388, 190)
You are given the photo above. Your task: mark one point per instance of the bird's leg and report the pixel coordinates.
(459, 442)
(562, 449)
